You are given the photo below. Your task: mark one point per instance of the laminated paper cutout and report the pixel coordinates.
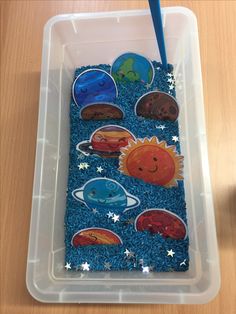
(106, 141)
(132, 67)
(157, 105)
(95, 236)
(163, 222)
(94, 91)
(151, 161)
(105, 194)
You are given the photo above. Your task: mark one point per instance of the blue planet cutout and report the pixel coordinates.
(105, 194)
(94, 86)
(132, 67)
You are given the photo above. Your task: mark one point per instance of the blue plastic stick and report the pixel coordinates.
(155, 8)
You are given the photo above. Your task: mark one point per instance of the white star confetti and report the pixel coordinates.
(170, 74)
(95, 210)
(68, 266)
(171, 87)
(86, 165)
(170, 253)
(107, 266)
(148, 85)
(110, 214)
(146, 269)
(161, 127)
(85, 266)
(127, 252)
(183, 263)
(175, 138)
(115, 218)
(81, 166)
(80, 156)
(99, 169)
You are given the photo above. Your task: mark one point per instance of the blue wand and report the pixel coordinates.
(155, 8)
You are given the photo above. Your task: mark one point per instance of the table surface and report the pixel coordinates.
(21, 43)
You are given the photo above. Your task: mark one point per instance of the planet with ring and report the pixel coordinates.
(105, 194)
(106, 141)
(157, 105)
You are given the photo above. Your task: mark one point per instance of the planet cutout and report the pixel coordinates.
(95, 236)
(157, 105)
(105, 194)
(161, 221)
(106, 141)
(151, 161)
(132, 67)
(103, 111)
(94, 86)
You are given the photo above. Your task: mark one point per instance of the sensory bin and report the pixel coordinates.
(119, 215)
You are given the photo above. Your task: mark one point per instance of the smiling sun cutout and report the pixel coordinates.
(152, 161)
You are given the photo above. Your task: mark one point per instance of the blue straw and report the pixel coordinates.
(155, 8)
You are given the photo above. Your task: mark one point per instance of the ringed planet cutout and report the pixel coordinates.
(101, 111)
(94, 86)
(106, 141)
(162, 221)
(132, 67)
(95, 236)
(105, 194)
(157, 105)
(151, 161)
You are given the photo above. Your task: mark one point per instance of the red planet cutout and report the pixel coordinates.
(161, 221)
(95, 236)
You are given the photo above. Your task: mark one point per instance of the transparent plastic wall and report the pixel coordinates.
(74, 40)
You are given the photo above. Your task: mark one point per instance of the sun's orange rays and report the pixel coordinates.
(152, 161)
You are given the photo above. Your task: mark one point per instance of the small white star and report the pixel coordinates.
(175, 138)
(171, 87)
(127, 252)
(81, 166)
(86, 165)
(95, 210)
(148, 85)
(145, 269)
(68, 266)
(107, 266)
(80, 156)
(162, 127)
(170, 253)
(170, 74)
(110, 214)
(183, 263)
(85, 266)
(99, 169)
(115, 218)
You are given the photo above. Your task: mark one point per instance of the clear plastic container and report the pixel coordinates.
(74, 40)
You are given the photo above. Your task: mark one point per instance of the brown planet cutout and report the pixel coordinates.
(101, 111)
(95, 236)
(157, 105)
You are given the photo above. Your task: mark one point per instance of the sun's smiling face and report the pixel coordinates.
(152, 162)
